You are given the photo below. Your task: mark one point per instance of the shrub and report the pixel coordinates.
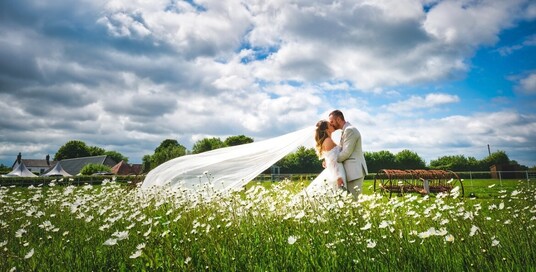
(93, 168)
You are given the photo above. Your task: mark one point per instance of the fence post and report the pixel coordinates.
(471, 177)
(500, 178)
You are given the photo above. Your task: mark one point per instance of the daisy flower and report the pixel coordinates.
(29, 254)
(292, 239)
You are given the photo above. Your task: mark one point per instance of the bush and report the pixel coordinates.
(93, 168)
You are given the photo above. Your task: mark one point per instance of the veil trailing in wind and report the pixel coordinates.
(226, 168)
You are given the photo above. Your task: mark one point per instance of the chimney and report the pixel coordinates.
(48, 159)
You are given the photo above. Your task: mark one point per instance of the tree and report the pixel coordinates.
(304, 160)
(167, 150)
(96, 151)
(4, 168)
(237, 140)
(77, 149)
(519, 166)
(474, 164)
(207, 144)
(93, 168)
(496, 158)
(166, 144)
(116, 156)
(456, 163)
(72, 149)
(407, 159)
(146, 164)
(167, 154)
(453, 163)
(380, 160)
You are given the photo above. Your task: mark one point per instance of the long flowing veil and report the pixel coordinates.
(226, 168)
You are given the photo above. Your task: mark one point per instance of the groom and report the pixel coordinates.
(351, 155)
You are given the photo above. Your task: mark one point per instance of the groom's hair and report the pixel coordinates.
(337, 113)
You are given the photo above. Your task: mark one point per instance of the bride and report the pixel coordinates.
(333, 178)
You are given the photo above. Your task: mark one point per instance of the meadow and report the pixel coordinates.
(265, 227)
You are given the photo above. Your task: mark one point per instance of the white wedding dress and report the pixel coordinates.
(227, 169)
(326, 182)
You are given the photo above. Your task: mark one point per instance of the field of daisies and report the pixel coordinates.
(115, 226)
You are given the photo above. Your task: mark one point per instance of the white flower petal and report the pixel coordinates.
(29, 254)
(292, 239)
(136, 254)
(371, 243)
(367, 226)
(110, 242)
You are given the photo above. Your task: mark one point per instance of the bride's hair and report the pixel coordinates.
(320, 135)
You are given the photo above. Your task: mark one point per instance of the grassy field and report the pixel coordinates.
(265, 227)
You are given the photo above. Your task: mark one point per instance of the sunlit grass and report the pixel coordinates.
(265, 228)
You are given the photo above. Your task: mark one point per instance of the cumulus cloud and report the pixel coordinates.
(210, 28)
(470, 23)
(126, 75)
(430, 101)
(527, 85)
(456, 135)
(375, 43)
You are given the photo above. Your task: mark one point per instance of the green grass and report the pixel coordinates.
(480, 188)
(116, 227)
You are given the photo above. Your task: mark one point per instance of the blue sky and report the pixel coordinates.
(435, 77)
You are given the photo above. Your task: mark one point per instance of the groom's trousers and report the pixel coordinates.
(355, 186)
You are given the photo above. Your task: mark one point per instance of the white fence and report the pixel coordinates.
(527, 175)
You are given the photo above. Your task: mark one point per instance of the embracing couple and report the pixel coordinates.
(345, 163)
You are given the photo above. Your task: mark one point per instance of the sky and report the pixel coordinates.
(439, 78)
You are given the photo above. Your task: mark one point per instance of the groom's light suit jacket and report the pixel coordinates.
(351, 155)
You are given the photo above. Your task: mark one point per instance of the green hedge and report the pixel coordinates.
(76, 180)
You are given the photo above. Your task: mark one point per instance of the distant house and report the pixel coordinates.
(74, 166)
(34, 165)
(136, 168)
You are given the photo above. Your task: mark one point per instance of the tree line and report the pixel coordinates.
(78, 149)
(170, 149)
(306, 161)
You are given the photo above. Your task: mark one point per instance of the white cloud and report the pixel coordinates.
(527, 85)
(414, 103)
(454, 135)
(529, 11)
(470, 23)
(330, 86)
(214, 28)
(507, 50)
(189, 69)
(374, 43)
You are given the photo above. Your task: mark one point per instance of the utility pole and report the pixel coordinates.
(489, 150)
